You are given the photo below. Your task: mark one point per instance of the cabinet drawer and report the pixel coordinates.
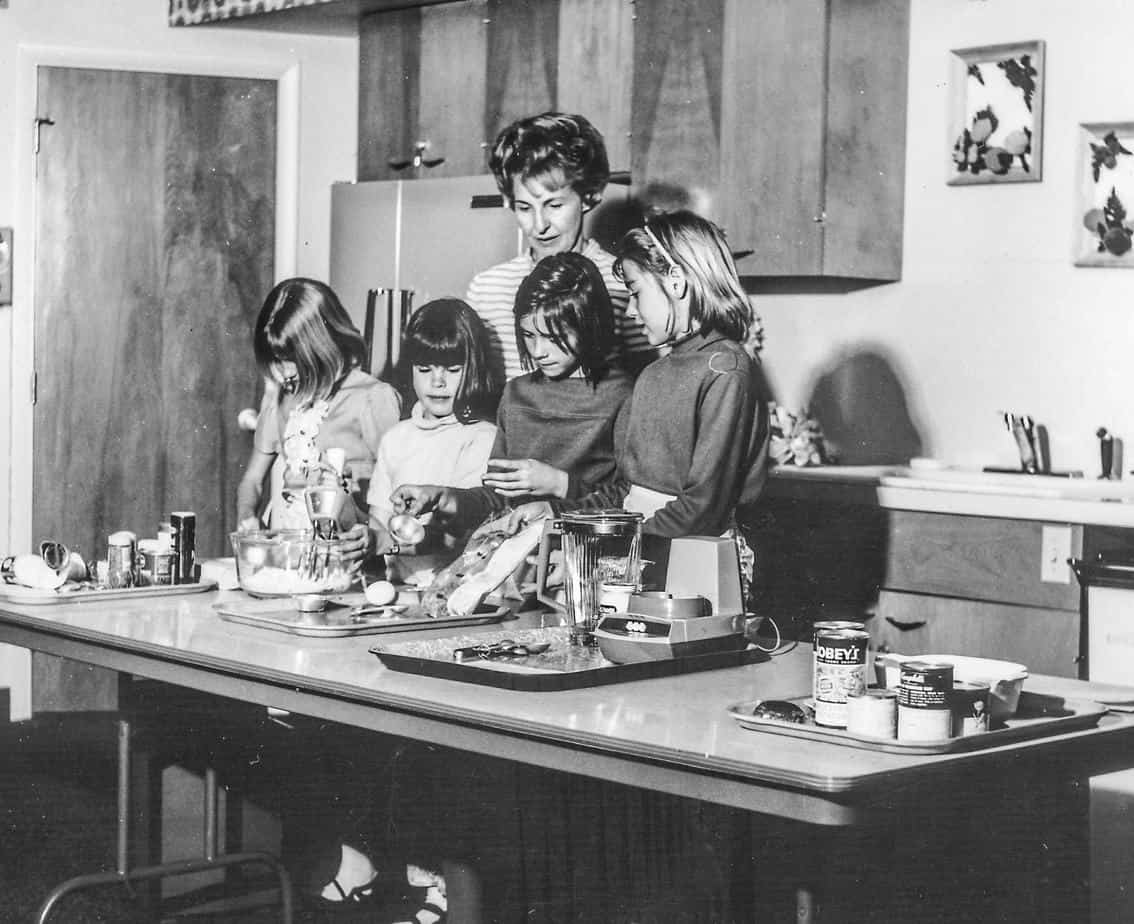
(1044, 640)
(980, 558)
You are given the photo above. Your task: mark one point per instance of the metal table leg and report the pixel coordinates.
(126, 876)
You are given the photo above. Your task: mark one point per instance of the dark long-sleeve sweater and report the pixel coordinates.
(567, 423)
(698, 431)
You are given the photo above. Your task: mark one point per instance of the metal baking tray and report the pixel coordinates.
(14, 593)
(338, 620)
(563, 666)
(1037, 716)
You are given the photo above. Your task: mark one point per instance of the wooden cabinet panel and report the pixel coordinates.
(978, 558)
(813, 150)
(772, 149)
(1045, 641)
(676, 109)
(422, 78)
(523, 50)
(864, 166)
(389, 64)
(453, 87)
(596, 39)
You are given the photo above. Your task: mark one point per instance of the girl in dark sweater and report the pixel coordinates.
(696, 443)
(557, 425)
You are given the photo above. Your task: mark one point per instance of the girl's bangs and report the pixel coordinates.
(551, 319)
(424, 350)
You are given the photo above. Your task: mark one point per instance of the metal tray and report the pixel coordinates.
(337, 622)
(1037, 716)
(562, 667)
(14, 593)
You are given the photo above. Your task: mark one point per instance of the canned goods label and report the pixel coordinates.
(840, 671)
(873, 712)
(917, 724)
(925, 685)
(970, 707)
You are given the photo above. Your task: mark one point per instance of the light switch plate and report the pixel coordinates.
(1054, 554)
(5, 266)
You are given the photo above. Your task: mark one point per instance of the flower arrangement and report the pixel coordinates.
(797, 439)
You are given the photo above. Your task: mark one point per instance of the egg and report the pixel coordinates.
(381, 593)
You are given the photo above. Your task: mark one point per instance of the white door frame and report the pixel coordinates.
(15, 663)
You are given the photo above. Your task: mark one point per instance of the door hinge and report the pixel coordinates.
(34, 387)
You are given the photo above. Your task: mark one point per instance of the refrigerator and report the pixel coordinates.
(397, 244)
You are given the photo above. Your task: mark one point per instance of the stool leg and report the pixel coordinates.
(211, 813)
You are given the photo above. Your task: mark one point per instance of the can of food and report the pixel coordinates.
(155, 563)
(970, 707)
(614, 596)
(121, 550)
(873, 712)
(925, 693)
(828, 625)
(183, 524)
(840, 670)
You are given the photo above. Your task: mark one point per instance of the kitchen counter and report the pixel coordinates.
(832, 824)
(967, 492)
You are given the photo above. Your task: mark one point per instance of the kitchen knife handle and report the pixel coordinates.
(1027, 454)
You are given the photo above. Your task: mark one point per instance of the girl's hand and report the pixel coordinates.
(520, 477)
(248, 525)
(527, 514)
(418, 499)
(355, 543)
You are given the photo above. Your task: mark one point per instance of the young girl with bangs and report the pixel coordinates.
(449, 433)
(557, 424)
(307, 348)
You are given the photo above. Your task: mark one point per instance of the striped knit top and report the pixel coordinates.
(493, 292)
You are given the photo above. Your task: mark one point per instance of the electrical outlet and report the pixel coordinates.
(5, 266)
(1054, 554)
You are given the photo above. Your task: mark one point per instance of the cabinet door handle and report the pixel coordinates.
(906, 626)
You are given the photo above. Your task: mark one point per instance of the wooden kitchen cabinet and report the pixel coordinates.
(978, 558)
(451, 76)
(975, 586)
(782, 120)
(1045, 641)
(422, 79)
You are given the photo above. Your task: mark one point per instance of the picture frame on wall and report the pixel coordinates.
(996, 114)
(1104, 204)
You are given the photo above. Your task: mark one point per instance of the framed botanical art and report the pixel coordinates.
(996, 114)
(1104, 206)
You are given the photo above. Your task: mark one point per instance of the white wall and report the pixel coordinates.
(990, 314)
(133, 31)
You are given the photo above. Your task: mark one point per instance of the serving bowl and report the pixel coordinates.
(1005, 679)
(287, 562)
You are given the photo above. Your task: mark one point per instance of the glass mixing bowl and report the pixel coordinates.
(288, 562)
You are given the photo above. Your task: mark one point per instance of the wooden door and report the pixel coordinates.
(155, 212)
